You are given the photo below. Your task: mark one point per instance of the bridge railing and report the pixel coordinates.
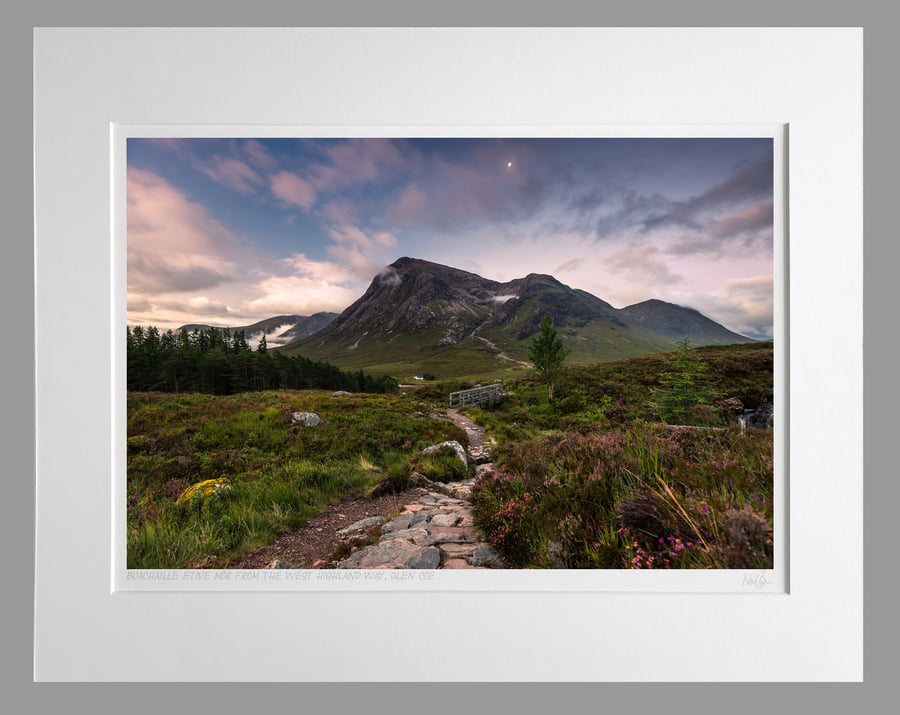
(480, 396)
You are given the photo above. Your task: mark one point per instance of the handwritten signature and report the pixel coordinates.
(756, 580)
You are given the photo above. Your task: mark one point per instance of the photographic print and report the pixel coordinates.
(460, 353)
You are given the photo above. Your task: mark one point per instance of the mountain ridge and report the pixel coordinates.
(420, 316)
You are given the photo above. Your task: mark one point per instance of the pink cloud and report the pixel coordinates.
(350, 234)
(361, 265)
(233, 173)
(292, 189)
(258, 155)
(753, 218)
(409, 206)
(357, 161)
(640, 263)
(745, 305)
(340, 211)
(174, 244)
(304, 294)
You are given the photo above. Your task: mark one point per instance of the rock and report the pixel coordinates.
(483, 469)
(487, 557)
(417, 536)
(361, 525)
(458, 550)
(462, 492)
(398, 524)
(204, 490)
(555, 555)
(420, 480)
(456, 564)
(307, 419)
(447, 534)
(323, 564)
(341, 393)
(445, 520)
(452, 444)
(479, 455)
(278, 564)
(390, 553)
(427, 558)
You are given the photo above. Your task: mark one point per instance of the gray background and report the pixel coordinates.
(18, 434)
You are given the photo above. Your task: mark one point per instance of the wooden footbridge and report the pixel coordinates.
(480, 396)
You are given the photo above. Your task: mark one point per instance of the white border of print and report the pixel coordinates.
(715, 581)
(87, 79)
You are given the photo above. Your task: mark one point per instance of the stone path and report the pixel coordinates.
(436, 531)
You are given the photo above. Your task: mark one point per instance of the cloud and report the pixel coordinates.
(759, 216)
(300, 294)
(571, 265)
(173, 244)
(162, 274)
(409, 206)
(358, 161)
(325, 271)
(365, 241)
(258, 155)
(641, 264)
(205, 306)
(633, 211)
(752, 182)
(273, 336)
(233, 174)
(292, 189)
(744, 305)
(340, 211)
(389, 276)
(360, 264)
(137, 303)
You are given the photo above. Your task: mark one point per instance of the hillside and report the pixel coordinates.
(279, 330)
(418, 316)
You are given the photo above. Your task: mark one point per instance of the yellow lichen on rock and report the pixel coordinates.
(203, 490)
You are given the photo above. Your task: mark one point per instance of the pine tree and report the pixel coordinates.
(684, 386)
(547, 353)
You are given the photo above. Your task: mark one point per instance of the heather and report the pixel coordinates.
(637, 464)
(646, 496)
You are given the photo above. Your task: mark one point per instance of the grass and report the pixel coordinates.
(592, 480)
(278, 474)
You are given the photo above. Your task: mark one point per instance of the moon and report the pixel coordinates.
(509, 165)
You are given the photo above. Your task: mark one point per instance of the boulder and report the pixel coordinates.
(452, 444)
(341, 393)
(307, 419)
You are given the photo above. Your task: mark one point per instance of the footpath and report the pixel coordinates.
(434, 531)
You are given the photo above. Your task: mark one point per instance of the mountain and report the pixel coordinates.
(418, 316)
(676, 322)
(278, 330)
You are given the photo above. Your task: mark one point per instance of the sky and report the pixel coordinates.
(227, 232)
